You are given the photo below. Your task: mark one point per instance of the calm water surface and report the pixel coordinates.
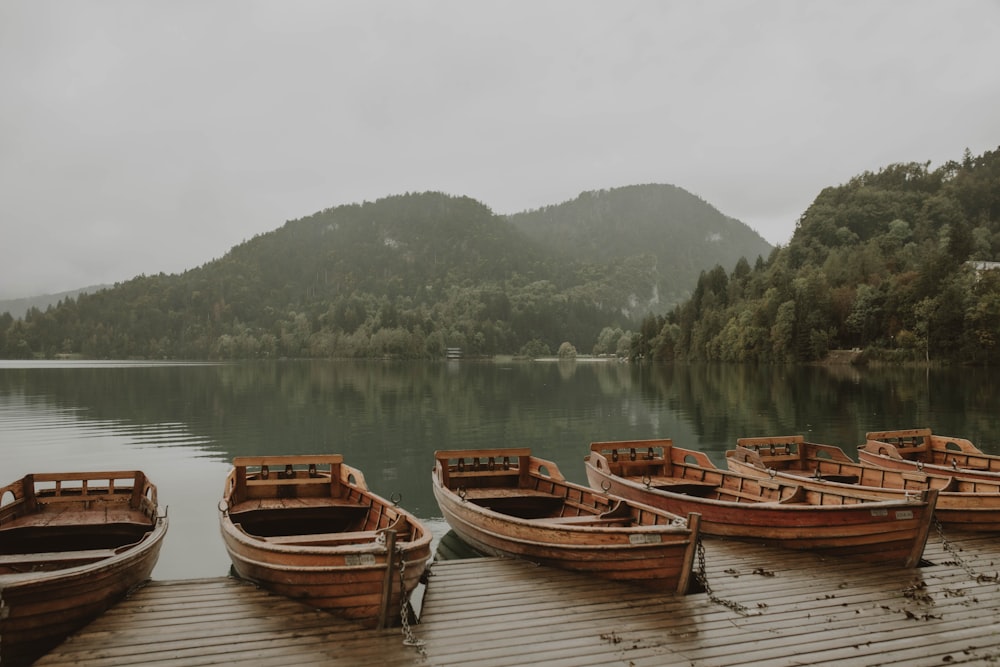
(183, 423)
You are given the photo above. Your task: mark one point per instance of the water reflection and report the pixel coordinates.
(183, 423)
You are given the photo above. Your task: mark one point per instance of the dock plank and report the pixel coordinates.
(800, 608)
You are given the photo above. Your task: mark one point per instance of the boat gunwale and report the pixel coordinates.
(367, 501)
(869, 501)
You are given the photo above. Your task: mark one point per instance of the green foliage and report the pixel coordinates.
(884, 262)
(567, 350)
(656, 239)
(406, 276)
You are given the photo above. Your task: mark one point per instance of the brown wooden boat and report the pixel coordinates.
(966, 504)
(779, 512)
(919, 449)
(505, 502)
(72, 544)
(307, 527)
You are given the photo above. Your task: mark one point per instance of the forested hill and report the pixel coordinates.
(661, 225)
(901, 263)
(406, 276)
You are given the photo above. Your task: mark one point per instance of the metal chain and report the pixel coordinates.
(950, 548)
(702, 577)
(405, 609)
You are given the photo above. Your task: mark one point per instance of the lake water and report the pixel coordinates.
(183, 423)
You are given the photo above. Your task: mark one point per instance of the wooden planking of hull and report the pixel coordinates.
(505, 502)
(919, 449)
(71, 545)
(771, 511)
(308, 528)
(965, 504)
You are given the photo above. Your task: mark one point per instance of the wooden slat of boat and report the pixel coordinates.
(286, 503)
(56, 556)
(584, 520)
(803, 609)
(290, 459)
(326, 539)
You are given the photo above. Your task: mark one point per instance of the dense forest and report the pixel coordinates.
(406, 276)
(663, 226)
(898, 263)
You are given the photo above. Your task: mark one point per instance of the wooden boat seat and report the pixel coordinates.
(731, 494)
(498, 473)
(289, 481)
(496, 493)
(296, 503)
(326, 539)
(585, 520)
(86, 555)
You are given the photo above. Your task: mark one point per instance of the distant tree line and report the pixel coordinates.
(895, 263)
(403, 277)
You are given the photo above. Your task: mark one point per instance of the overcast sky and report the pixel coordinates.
(139, 137)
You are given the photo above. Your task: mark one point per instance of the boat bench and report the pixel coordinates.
(88, 555)
(730, 494)
(797, 496)
(331, 539)
(584, 520)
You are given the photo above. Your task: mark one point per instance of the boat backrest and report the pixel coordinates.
(128, 487)
(905, 441)
(479, 468)
(626, 457)
(317, 475)
(124, 485)
(776, 450)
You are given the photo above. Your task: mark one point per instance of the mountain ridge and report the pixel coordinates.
(402, 276)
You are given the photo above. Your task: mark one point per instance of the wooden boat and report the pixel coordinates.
(308, 528)
(72, 544)
(779, 512)
(967, 504)
(505, 502)
(919, 449)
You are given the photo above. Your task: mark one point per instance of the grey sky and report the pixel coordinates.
(139, 137)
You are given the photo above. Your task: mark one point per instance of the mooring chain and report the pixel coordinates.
(950, 548)
(702, 577)
(405, 609)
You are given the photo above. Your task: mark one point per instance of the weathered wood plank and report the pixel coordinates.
(251, 626)
(802, 609)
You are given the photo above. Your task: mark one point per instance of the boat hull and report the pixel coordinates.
(868, 529)
(67, 589)
(657, 555)
(971, 505)
(919, 449)
(358, 571)
(347, 581)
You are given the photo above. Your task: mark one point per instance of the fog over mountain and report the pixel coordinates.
(147, 137)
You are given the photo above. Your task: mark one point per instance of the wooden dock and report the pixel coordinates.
(764, 607)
